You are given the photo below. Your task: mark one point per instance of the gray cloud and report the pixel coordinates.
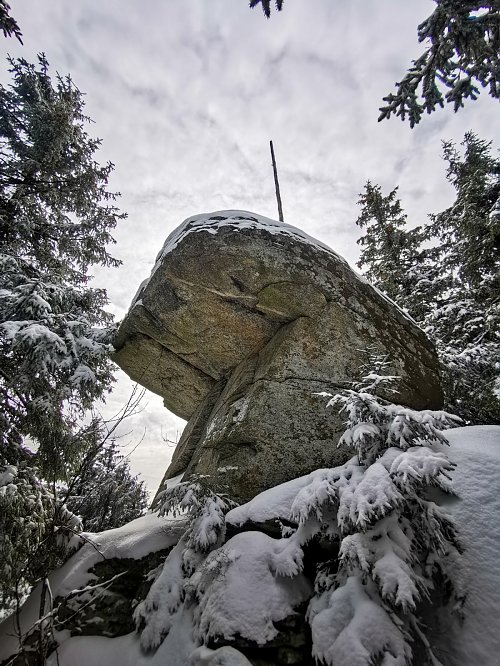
(186, 96)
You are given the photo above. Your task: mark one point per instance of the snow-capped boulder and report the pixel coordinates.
(242, 321)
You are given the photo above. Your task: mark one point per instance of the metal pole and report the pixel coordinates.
(276, 184)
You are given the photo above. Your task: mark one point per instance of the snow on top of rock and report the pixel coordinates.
(238, 220)
(272, 503)
(144, 535)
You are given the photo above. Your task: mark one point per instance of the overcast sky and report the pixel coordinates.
(186, 94)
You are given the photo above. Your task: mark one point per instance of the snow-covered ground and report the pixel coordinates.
(476, 480)
(476, 642)
(144, 535)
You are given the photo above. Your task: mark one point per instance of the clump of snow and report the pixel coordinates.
(383, 552)
(224, 656)
(272, 503)
(241, 590)
(229, 583)
(227, 468)
(7, 474)
(349, 628)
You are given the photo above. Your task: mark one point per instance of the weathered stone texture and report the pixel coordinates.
(242, 321)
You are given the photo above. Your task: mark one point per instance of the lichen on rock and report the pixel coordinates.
(240, 309)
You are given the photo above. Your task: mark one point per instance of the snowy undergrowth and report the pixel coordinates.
(343, 616)
(204, 510)
(137, 539)
(381, 544)
(394, 541)
(393, 544)
(349, 618)
(225, 584)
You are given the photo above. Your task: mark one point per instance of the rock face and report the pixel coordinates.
(242, 322)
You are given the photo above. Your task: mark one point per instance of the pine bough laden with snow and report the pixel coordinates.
(393, 547)
(463, 47)
(206, 528)
(395, 542)
(463, 54)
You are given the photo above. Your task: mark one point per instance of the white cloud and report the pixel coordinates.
(186, 96)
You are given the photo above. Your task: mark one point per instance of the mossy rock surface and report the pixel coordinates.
(242, 323)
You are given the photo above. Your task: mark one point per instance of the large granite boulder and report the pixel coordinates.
(242, 322)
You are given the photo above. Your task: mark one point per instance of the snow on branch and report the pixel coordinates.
(391, 535)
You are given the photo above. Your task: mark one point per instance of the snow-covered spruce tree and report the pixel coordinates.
(204, 509)
(391, 256)
(447, 275)
(465, 315)
(36, 528)
(103, 493)
(394, 541)
(56, 215)
(463, 38)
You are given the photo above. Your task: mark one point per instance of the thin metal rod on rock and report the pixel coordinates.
(276, 183)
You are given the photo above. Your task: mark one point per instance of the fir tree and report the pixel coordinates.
(56, 216)
(55, 221)
(395, 543)
(104, 494)
(447, 274)
(465, 315)
(391, 256)
(36, 529)
(463, 54)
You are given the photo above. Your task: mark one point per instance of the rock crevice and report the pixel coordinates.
(241, 310)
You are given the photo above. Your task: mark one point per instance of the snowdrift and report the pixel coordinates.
(257, 585)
